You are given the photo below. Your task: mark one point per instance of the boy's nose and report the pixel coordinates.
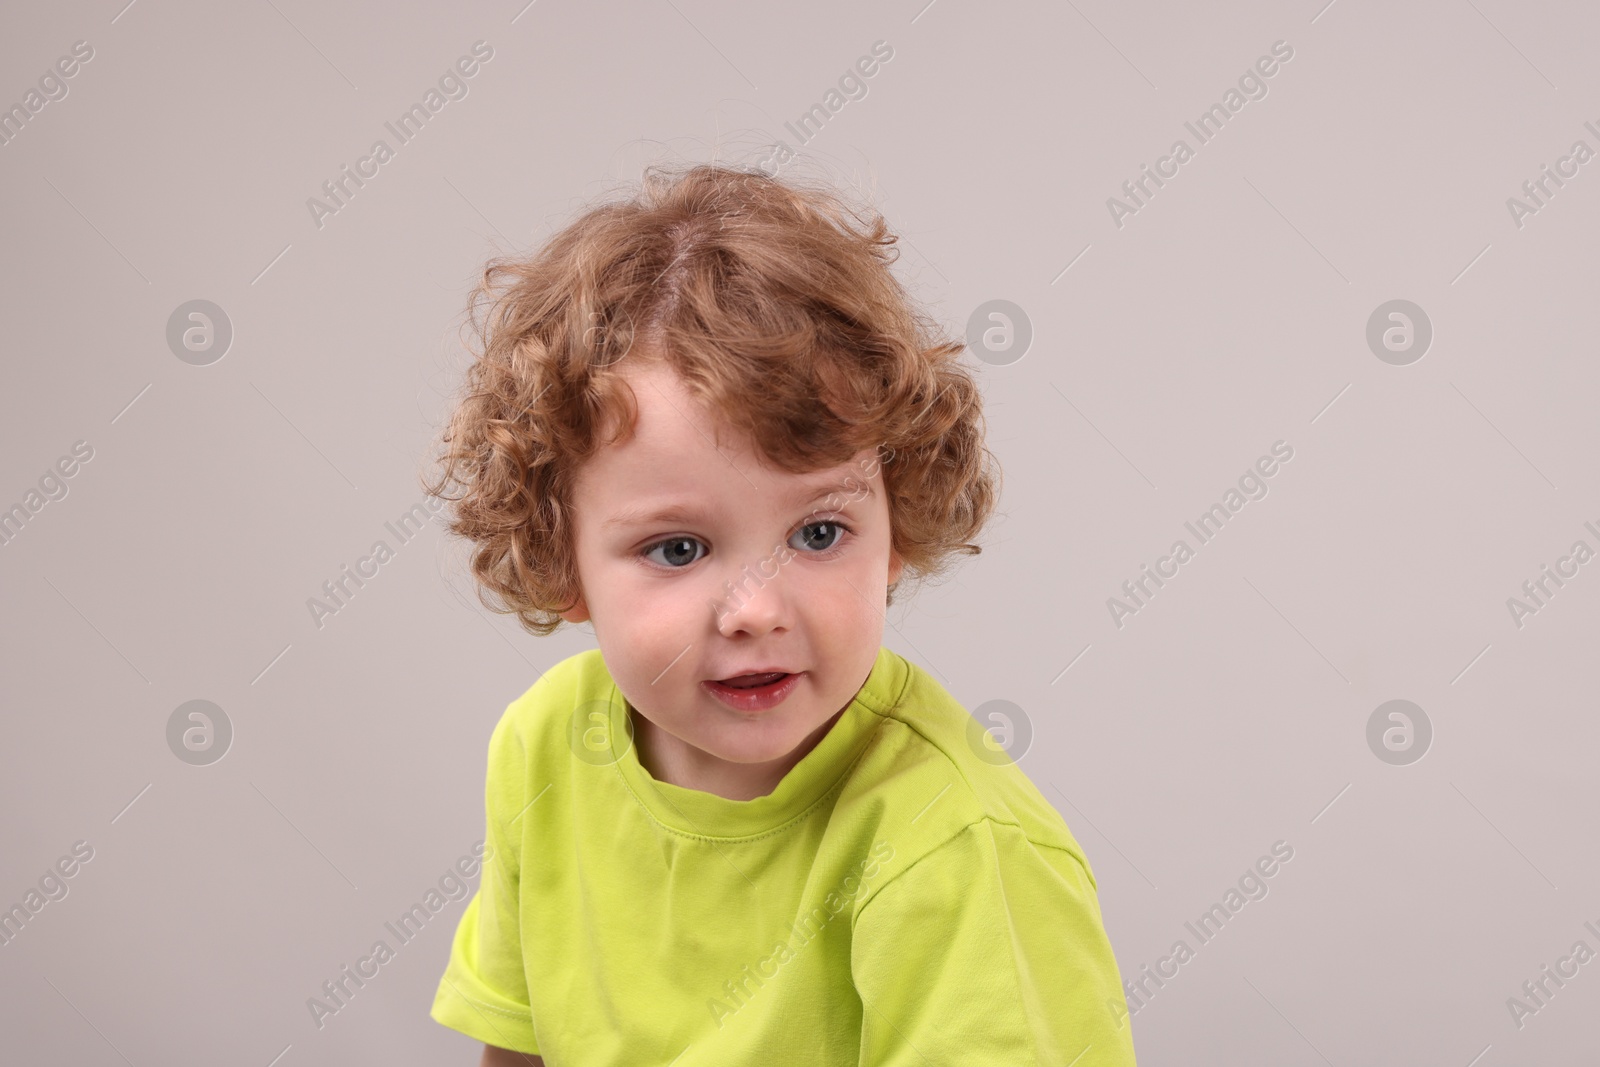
(753, 603)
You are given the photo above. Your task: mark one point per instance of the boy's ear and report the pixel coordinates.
(579, 612)
(896, 565)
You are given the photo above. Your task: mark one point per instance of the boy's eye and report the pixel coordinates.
(818, 536)
(678, 552)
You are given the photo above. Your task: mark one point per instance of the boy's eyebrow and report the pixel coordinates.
(645, 515)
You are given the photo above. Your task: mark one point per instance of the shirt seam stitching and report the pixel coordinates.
(475, 1002)
(794, 821)
(811, 808)
(984, 818)
(956, 767)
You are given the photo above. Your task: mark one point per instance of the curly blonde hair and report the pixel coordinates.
(775, 305)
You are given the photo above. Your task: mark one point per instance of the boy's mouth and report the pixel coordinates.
(751, 681)
(754, 692)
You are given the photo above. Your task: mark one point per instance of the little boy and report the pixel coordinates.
(711, 423)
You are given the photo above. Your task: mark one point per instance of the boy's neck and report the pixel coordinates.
(671, 760)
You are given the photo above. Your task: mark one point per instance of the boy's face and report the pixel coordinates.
(753, 568)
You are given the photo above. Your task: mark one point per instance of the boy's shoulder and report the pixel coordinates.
(932, 765)
(549, 707)
(929, 773)
(582, 674)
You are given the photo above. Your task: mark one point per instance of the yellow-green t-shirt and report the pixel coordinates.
(898, 899)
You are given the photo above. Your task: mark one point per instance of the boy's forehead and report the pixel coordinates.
(680, 445)
(672, 422)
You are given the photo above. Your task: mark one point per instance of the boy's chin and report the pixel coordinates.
(752, 750)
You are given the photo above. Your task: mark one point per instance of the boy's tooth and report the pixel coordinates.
(744, 681)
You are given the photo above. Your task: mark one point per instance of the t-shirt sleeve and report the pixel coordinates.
(484, 990)
(989, 950)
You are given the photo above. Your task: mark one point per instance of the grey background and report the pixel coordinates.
(1229, 313)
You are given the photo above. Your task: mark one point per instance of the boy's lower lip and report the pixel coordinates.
(759, 698)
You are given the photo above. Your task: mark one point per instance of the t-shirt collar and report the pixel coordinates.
(702, 814)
